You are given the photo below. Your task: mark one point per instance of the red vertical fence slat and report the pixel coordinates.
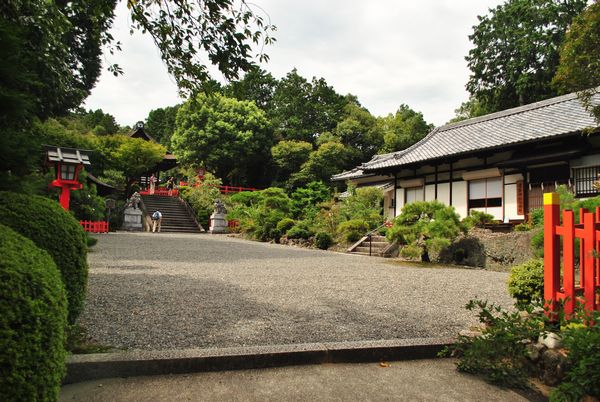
(94, 226)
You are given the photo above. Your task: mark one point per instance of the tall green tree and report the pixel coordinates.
(289, 156)
(403, 128)
(360, 132)
(579, 68)
(160, 124)
(516, 51)
(302, 110)
(228, 137)
(257, 85)
(330, 158)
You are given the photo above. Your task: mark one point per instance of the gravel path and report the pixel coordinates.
(173, 291)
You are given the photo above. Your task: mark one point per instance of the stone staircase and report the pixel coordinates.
(175, 216)
(379, 244)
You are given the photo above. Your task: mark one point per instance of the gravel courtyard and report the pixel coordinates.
(173, 291)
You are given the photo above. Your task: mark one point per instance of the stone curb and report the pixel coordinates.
(146, 363)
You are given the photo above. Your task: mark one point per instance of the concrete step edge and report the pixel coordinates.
(145, 363)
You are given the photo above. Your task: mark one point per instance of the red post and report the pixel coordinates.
(551, 250)
(569, 261)
(589, 233)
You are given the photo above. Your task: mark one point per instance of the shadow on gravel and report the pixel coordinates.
(137, 311)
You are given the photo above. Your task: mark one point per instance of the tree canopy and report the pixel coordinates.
(230, 138)
(516, 51)
(403, 128)
(579, 68)
(160, 124)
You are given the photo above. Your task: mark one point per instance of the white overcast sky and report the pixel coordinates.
(385, 52)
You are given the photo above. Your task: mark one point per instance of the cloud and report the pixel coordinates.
(385, 52)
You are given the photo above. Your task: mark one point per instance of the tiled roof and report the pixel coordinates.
(68, 155)
(358, 171)
(549, 118)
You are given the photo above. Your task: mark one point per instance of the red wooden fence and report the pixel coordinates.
(161, 191)
(585, 287)
(94, 226)
(223, 189)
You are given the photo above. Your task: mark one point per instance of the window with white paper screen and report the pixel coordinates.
(413, 194)
(485, 193)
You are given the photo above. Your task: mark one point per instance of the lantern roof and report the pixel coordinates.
(67, 155)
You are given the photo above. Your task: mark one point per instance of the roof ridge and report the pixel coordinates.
(515, 110)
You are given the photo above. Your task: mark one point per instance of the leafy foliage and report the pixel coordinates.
(352, 230)
(425, 227)
(33, 315)
(302, 110)
(323, 240)
(579, 68)
(360, 132)
(526, 282)
(477, 219)
(515, 53)
(300, 230)
(52, 229)
(583, 377)
(306, 200)
(364, 204)
(403, 128)
(160, 124)
(289, 156)
(499, 354)
(202, 198)
(226, 136)
(188, 33)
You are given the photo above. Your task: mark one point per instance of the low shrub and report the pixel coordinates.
(323, 240)
(477, 219)
(90, 241)
(33, 315)
(353, 230)
(285, 224)
(523, 227)
(52, 229)
(427, 226)
(299, 231)
(583, 376)
(526, 282)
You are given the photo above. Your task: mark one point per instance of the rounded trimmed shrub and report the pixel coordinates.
(299, 232)
(353, 229)
(285, 224)
(52, 229)
(526, 281)
(323, 240)
(33, 317)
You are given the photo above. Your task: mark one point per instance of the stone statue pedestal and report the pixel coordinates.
(132, 219)
(218, 223)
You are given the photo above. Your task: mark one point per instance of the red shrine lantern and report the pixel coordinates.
(68, 163)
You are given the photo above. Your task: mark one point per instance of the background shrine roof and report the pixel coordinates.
(549, 118)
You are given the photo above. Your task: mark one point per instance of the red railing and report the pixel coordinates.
(223, 189)
(580, 285)
(161, 191)
(94, 226)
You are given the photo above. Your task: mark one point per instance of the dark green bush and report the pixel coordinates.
(90, 241)
(285, 224)
(583, 376)
(299, 231)
(424, 228)
(526, 282)
(477, 219)
(323, 240)
(56, 231)
(353, 229)
(33, 315)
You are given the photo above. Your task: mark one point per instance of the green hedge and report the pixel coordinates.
(56, 231)
(33, 315)
(526, 281)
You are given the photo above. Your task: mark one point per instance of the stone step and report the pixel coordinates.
(365, 249)
(365, 253)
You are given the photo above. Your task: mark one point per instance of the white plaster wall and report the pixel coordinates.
(399, 200)
(430, 192)
(444, 193)
(459, 197)
(510, 197)
(387, 202)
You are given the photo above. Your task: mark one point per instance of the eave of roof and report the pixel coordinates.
(554, 117)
